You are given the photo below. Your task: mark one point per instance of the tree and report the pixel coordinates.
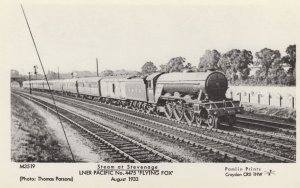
(163, 68)
(148, 68)
(277, 74)
(290, 58)
(188, 66)
(14, 73)
(107, 73)
(126, 73)
(175, 64)
(266, 57)
(209, 60)
(235, 62)
(52, 75)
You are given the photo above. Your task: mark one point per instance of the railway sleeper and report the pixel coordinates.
(133, 150)
(140, 153)
(204, 152)
(100, 132)
(122, 160)
(155, 160)
(148, 155)
(132, 146)
(150, 159)
(101, 144)
(216, 145)
(116, 155)
(107, 150)
(119, 143)
(109, 136)
(129, 144)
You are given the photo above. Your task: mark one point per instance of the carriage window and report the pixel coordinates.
(113, 88)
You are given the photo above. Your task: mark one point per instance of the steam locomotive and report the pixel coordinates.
(194, 97)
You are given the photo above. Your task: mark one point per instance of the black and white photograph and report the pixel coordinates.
(152, 84)
(110, 90)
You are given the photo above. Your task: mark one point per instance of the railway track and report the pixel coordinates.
(268, 142)
(258, 124)
(270, 138)
(225, 147)
(214, 154)
(267, 138)
(118, 146)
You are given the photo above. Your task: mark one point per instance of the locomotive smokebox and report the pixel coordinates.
(213, 84)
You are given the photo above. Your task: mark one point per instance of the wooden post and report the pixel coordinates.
(29, 83)
(280, 100)
(97, 66)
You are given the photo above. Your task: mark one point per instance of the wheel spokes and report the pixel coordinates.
(168, 111)
(189, 116)
(178, 112)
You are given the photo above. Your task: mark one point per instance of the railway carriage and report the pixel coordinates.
(55, 85)
(26, 85)
(89, 87)
(113, 88)
(37, 84)
(69, 86)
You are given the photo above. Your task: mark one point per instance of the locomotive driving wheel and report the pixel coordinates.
(217, 122)
(178, 111)
(139, 106)
(168, 110)
(201, 117)
(143, 107)
(149, 109)
(189, 116)
(199, 120)
(211, 121)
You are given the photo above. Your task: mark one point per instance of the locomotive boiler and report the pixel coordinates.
(210, 85)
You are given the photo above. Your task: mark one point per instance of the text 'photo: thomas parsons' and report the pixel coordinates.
(232, 107)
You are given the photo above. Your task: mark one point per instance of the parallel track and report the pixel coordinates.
(259, 124)
(118, 146)
(213, 143)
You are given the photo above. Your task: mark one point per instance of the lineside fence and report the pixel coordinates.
(264, 95)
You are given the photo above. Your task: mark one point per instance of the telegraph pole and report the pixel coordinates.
(58, 73)
(29, 83)
(35, 72)
(97, 66)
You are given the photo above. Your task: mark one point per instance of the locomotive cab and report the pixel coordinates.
(151, 85)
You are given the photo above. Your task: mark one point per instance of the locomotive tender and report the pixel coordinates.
(186, 96)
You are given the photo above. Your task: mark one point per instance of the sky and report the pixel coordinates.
(125, 37)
